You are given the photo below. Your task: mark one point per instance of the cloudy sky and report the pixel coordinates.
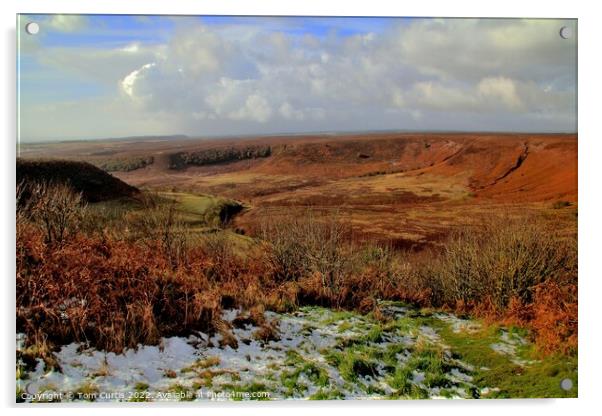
(110, 76)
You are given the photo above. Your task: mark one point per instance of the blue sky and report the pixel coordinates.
(94, 76)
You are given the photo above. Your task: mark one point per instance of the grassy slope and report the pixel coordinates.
(200, 214)
(199, 208)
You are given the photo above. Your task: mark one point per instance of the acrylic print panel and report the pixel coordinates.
(270, 208)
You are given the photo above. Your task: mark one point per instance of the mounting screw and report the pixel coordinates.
(32, 28)
(566, 384)
(566, 32)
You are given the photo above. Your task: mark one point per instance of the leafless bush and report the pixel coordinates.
(223, 261)
(56, 207)
(505, 259)
(286, 251)
(380, 257)
(305, 244)
(163, 223)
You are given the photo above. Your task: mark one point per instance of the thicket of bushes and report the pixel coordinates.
(151, 278)
(125, 164)
(518, 270)
(217, 155)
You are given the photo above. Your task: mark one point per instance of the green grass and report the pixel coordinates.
(430, 361)
(198, 211)
(337, 316)
(201, 216)
(344, 326)
(290, 378)
(402, 382)
(19, 392)
(141, 386)
(353, 363)
(537, 380)
(202, 210)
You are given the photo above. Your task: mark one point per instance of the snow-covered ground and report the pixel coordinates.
(319, 353)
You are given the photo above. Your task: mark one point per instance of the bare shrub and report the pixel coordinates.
(372, 273)
(506, 258)
(286, 252)
(56, 207)
(222, 263)
(330, 269)
(306, 244)
(323, 245)
(161, 222)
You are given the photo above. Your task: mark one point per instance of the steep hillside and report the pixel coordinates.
(545, 170)
(358, 156)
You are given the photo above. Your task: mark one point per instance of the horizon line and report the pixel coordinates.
(176, 136)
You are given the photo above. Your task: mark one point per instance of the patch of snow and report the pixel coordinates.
(460, 376)
(508, 346)
(459, 325)
(430, 334)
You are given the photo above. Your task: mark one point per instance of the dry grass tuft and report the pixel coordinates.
(267, 332)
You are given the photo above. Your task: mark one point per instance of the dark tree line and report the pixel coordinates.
(217, 155)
